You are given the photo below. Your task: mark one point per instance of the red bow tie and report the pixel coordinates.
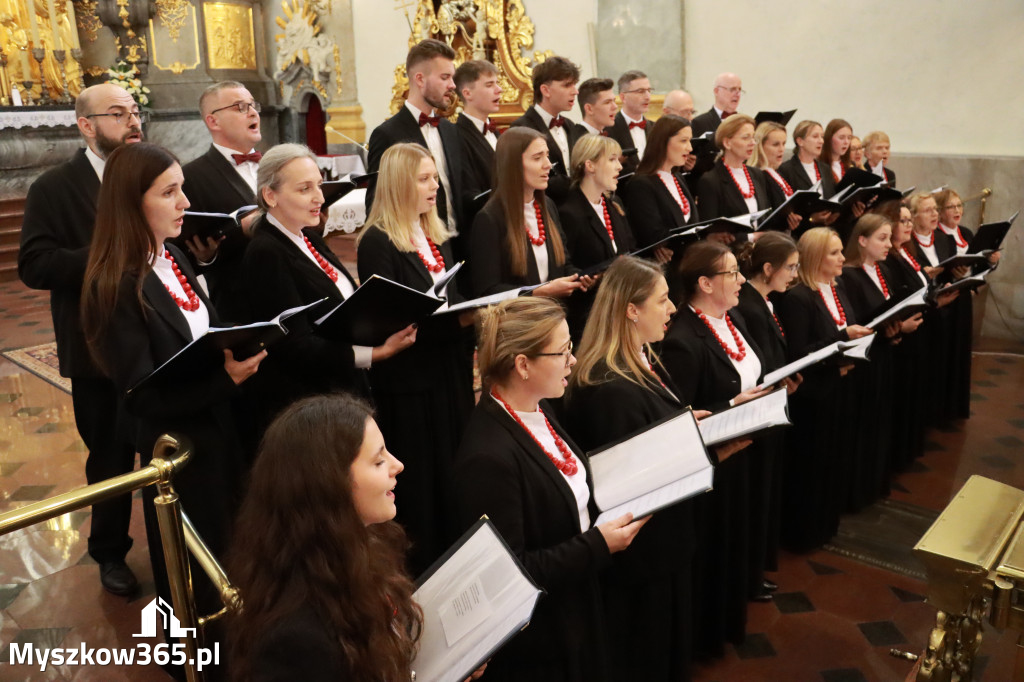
(556, 122)
(490, 127)
(242, 158)
(432, 120)
(727, 114)
(642, 125)
(604, 133)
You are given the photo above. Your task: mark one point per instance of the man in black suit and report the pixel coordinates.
(223, 180)
(476, 82)
(554, 91)
(631, 127)
(727, 91)
(597, 102)
(430, 65)
(60, 211)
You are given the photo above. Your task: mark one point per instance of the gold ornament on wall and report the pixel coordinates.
(88, 20)
(172, 14)
(229, 36)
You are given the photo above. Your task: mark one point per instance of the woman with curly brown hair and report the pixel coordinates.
(316, 555)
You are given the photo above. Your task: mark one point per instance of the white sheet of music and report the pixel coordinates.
(857, 349)
(746, 418)
(915, 299)
(797, 365)
(482, 302)
(475, 601)
(661, 465)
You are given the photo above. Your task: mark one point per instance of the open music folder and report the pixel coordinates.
(911, 305)
(806, 361)
(661, 465)
(474, 599)
(746, 418)
(991, 235)
(213, 225)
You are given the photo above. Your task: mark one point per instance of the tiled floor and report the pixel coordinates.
(833, 619)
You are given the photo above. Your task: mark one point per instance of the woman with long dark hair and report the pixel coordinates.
(425, 394)
(835, 151)
(517, 465)
(657, 197)
(516, 240)
(141, 304)
(316, 555)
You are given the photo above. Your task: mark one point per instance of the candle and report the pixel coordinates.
(31, 5)
(26, 69)
(54, 25)
(74, 27)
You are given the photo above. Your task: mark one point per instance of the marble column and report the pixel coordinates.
(645, 35)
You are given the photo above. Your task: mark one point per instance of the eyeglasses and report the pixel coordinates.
(124, 116)
(242, 107)
(639, 91)
(906, 221)
(729, 274)
(953, 207)
(793, 268)
(567, 353)
(731, 91)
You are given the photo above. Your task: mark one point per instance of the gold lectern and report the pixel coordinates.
(974, 556)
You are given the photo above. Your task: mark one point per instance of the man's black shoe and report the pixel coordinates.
(118, 579)
(769, 585)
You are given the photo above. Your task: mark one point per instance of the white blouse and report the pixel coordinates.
(540, 253)
(749, 368)
(745, 188)
(600, 216)
(955, 234)
(419, 240)
(873, 275)
(198, 319)
(929, 251)
(830, 302)
(670, 184)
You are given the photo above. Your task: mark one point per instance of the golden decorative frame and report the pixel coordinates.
(176, 67)
(240, 56)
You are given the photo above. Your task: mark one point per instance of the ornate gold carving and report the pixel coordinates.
(132, 55)
(173, 13)
(177, 66)
(88, 20)
(229, 37)
(95, 71)
(337, 71)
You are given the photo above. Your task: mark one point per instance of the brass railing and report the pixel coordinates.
(177, 535)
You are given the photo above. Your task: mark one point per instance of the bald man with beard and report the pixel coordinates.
(60, 211)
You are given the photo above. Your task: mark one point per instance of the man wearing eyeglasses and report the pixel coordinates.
(631, 128)
(728, 89)
(60, 211)
(223, 180)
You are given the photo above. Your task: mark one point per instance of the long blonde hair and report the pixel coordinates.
(396, 192)
(813, 246)
(519, 326)
(590, 148)
(609, 336)
(759, 159)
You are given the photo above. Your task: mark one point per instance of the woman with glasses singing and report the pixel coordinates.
(733, 188)
(711, 358)
(423, 395)
(814, 313)
(517, 465)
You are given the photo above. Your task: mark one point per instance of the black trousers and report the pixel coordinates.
(100, 419)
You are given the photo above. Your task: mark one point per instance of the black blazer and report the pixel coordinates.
(60, 211)
(491, 273)
(793, 171)
(558, 182)
(477, 166)
(697, 363)
(298, 646)
(808, 323)
(502, 472)
(719, 197)
(402, 127)
(619, 131)
(585, 233)
(652, 210)
(867, 299)
(764, 330)
(708, 121)
(945, 247)
(212, 185)
(275, 276)
(414, 368)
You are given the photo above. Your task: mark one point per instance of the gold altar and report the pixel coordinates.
(39, 37)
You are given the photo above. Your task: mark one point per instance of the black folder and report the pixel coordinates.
(704, 145)
(781, 117)
(858, 178)
(803, 202)
(336, 189)
(970, 259)
(205, 354)
(966, 284)
(212, 225)
(378, 309)
(869, 196)
(990, 236)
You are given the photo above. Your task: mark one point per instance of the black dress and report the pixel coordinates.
(766, 331)
(719, 196)
(423, 398)
(962, 345)
(730, 546)
(944, 337)
(648, 589)
(501, 472)
(277, 275)
(816, 464)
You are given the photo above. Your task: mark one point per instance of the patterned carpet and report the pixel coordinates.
(41, 360)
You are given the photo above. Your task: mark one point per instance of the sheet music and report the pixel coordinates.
(747, 418)
(797, 365)
(668, 452)
(662, 497)
(471, 604)
(915, 299)
(857, 349)
(482, 302)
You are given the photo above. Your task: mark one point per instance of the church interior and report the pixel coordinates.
(942, 79)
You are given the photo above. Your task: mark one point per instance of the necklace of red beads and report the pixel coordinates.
(841, 320)
(541, 234)
(781, 181)
(321, 261)
(567, 465)
(750, 183)
(881, 281)
(958, 237)
(435, 253)
(777, 323)
(842, 172)
(741, 350)
(684, 205)
(913, 261)
(607, 220)
(930, 241)
(192, 304)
